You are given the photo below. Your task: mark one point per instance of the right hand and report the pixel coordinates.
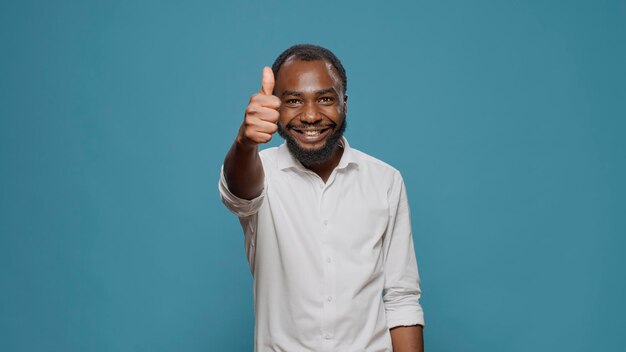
(262, 114)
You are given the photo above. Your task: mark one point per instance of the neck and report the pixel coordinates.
(324, 169)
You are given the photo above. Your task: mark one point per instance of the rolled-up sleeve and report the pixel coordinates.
(238, 206)
(402, 282)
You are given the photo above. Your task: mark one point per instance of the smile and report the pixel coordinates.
(310, 132)
(311, 135)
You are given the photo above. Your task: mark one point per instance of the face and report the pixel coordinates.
(313, 110)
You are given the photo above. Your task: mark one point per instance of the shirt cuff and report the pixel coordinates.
(395, 319)
(239, 206)
(403, 309)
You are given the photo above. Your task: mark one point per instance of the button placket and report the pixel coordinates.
(328, 298)
(328, 289)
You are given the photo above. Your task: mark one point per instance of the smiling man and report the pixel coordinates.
(327, 228)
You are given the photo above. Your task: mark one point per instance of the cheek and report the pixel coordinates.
(333, 112)
(285, 117)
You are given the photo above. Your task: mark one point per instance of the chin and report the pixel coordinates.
(312, 147)
(317, 153)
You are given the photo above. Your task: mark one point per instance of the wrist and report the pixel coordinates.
(244, 144)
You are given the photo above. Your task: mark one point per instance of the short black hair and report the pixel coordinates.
(310, 52)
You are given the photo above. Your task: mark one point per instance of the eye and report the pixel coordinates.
(292, 102)
(327, 100)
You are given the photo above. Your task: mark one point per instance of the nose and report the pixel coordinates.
(310, 114)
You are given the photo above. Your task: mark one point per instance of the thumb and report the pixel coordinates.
(268, 81)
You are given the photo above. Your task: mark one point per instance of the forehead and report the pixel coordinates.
(296, 74)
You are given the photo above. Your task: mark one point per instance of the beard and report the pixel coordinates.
(313, 156)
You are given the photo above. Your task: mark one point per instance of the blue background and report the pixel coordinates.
(506, 119)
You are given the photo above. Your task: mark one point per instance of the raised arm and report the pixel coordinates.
(242, 166)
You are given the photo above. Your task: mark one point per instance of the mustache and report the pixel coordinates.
(304, 125)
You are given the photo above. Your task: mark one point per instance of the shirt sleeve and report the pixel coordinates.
(402, 291)
(241, 207)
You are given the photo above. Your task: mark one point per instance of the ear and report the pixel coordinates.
(345, 104)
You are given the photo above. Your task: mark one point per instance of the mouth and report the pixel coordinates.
(311, 135)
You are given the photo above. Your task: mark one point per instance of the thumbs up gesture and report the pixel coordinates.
(261, 117)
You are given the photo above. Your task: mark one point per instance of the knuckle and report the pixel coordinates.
(275, 101)
(259, 137)
(251, 110)
(267, 115)
(251, 124)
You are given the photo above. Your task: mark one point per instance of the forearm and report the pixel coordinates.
(407, 338)
(243, 170)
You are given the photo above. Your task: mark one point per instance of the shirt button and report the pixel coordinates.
(328, 260)
(329, 298)
(327, 336)
(321, 186)
(325, 222)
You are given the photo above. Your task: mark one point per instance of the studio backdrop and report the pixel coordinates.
(505, 118)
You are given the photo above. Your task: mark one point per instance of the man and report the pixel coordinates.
(327, 229)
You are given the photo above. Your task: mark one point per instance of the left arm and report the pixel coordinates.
(407, 338)
(402, 291)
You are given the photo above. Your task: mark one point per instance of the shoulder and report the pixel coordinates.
(375, 165)
(380, 176)
(377, 173)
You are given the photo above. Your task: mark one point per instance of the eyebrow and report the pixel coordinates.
(317, 92)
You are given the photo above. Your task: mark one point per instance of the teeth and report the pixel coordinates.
(312, 133)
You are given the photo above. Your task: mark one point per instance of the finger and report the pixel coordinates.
(260, 137)
(268, 101)
(266, 127)
(267, 114)
(268, 81)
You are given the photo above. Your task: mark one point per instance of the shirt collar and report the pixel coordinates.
(286, 160)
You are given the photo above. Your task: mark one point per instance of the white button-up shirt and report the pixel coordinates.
(333, 263)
